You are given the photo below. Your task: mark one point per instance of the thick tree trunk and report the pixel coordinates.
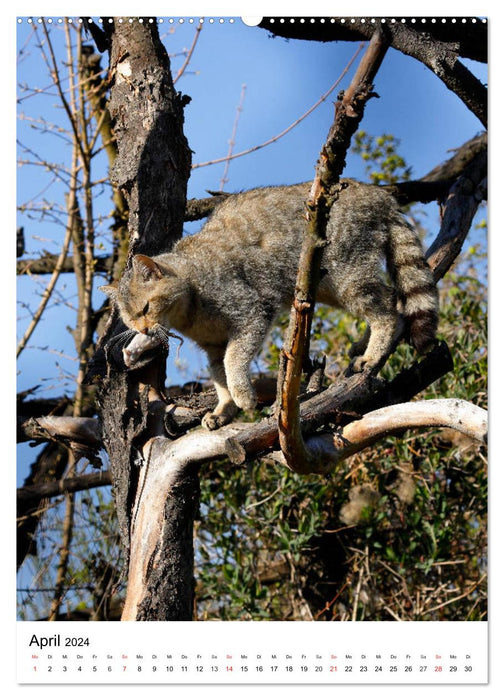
(151, 169)
(153, 162)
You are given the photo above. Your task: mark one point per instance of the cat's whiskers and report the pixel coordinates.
(163, 335)
(125, 335)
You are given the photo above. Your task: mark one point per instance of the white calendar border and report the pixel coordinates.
(10, 627)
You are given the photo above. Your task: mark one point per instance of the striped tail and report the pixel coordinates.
(415, 285)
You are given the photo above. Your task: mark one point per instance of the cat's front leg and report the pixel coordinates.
(240, 352)
(230, 370)
(226, 408)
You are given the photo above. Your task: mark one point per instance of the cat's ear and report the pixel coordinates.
(146, 267)
(110, 290)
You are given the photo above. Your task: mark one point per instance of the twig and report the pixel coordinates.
(61, 94)
(189, 54)
(289, 128)
(239, 110)
(454, 600)
(357, 594)
(49, 289)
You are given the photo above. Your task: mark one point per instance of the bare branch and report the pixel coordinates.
(232, 141)
(461, 205)
(437, 48)
(85, 431)
(348, 113)
(436, 183)
(55, 74)
(58, 487)
(469, 37)
(189, 54)
(47, 263)
(328, 450)
(48, 290)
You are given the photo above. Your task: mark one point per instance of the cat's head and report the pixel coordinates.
(148, 295)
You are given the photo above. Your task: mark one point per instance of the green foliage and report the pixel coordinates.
(383, 163)
(398, 531)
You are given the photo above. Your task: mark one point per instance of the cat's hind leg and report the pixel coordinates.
(376, 303)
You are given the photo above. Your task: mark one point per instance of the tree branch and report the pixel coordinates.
(463, 200)
(49, 289)
(348, 113)
(469, 37)
(61, 428)
(328, 450)
(438, 49)
(58, 487)
(436, 184)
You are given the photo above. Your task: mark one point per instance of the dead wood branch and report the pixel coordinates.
(458, 211)
(328, 450)
(436, 184)
(469, 37)
(58, 487)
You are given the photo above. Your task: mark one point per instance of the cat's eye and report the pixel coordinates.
(145, 309)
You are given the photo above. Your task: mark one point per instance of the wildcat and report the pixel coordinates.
(224, 286)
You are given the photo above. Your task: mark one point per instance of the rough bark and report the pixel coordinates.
(471, 38)
(153, 162)
(151, 170)
(458, 210)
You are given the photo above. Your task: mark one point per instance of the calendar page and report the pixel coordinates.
(252, 349)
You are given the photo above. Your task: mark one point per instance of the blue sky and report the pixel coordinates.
(283, 79)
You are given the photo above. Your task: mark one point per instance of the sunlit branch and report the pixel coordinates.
(189, 54)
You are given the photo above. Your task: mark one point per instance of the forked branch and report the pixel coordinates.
(327, 450)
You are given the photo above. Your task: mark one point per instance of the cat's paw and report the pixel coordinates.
(214, 421)
(246, 400)
(357, 365)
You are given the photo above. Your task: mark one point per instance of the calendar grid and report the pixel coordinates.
(328, 653)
